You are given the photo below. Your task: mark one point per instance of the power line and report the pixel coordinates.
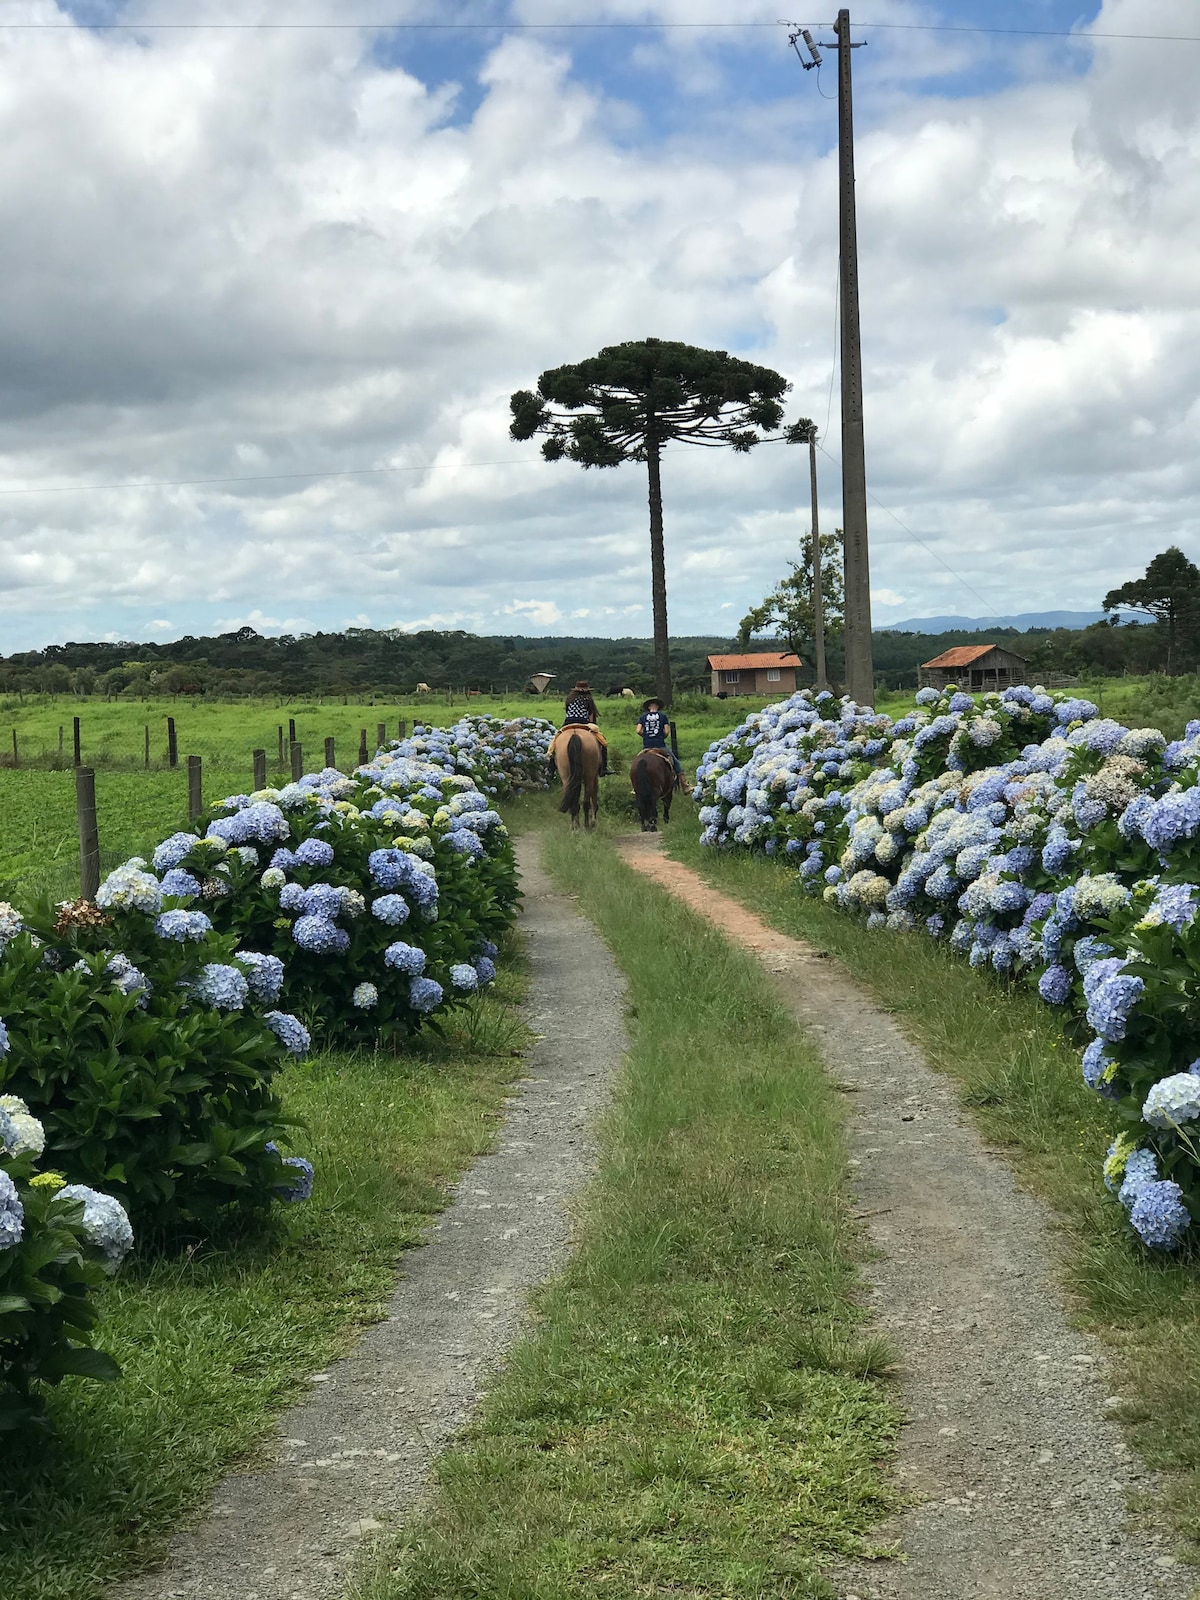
(917, 538)
(385, 26)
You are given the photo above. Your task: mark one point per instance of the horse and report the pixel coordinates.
(652, 778)
(578, 761)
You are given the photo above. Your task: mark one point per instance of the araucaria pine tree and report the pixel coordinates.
(628, 403)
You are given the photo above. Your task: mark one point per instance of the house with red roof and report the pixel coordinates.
(975, 667)
(759, 672)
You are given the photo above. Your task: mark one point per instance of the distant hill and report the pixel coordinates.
(1022, 621)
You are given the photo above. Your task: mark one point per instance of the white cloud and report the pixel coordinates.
(229, 255)
(885, 597)
(261, 623)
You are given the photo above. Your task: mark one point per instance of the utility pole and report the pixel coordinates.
(817, 600)
(860, 673)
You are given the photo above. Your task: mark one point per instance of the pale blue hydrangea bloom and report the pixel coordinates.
(105, 1224)
(291, 897)
(289, 1030)
(322, 900)
(1141, 1168)
(222, 986)
(1159, 1216)
(12, 1213)
(4, 1041)
(1174, 905)
(463, 976)
(273, 878)
(365, 996)
(179, 882)
(8, 1134)
(485, 969)
(406, 958)
(424, 994)
(301, 1185)
(1054, 985)
(182, 925)
(173, 850)
(265, 977)
(320, 936)
(314, 853)
(391, 909)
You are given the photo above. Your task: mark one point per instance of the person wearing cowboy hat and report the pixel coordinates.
(653, 726)
(581, 713)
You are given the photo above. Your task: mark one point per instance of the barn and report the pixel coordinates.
(977, 667)
(761, 672)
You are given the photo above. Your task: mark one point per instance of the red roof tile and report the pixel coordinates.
(765, 658)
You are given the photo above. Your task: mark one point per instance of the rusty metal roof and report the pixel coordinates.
(765, 658)
(962, 655)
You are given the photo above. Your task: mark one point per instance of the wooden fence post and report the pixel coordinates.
(280, 744)
(260, 769)
(89, 834)
(172, 744)
(60, 738)
(16, 752)
(78, 758)
(297, 762)
(147, 755)
(364, 755)
(195, 788)
(674, 739)
(291, 730)
(380, 735)
(330, 760)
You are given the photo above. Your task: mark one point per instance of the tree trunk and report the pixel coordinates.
(658, 572)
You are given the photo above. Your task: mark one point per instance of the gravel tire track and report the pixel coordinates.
(357, 1455)
(1022, 1481)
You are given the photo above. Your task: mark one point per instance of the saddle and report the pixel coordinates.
(677, 777)
(575, 727)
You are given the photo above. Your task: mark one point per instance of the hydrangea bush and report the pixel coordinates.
(501, 757)
(147, 1054)
(1035, 837)
(58, 1243)
(371, 902)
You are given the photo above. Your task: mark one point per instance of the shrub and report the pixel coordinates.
(58, 1243)
(501, 757)
(1038, 839)
(382, 895)
(140, 1052)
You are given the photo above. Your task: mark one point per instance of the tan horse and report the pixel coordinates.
(577, 757)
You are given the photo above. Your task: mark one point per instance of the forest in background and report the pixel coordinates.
(364, 661)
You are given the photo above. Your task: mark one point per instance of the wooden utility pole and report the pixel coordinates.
(195, 782)
(860, 673)
(817, 598)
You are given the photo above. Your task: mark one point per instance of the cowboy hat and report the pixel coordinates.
(653, 701)
(584, 684)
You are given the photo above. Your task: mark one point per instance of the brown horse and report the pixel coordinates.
(577, 758)
(652, 778)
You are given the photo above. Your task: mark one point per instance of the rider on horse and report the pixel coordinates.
(653, 728)
(581, 713)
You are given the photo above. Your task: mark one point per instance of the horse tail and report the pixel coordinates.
(644, 790)
(574, 783)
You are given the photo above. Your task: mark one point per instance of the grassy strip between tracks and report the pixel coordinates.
(214, 1344)
(697, 1410)
(1020, 1078)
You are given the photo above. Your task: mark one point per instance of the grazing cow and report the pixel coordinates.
(423, 688)
(628, 694)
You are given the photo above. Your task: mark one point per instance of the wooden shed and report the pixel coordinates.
(977, 667)
(761, 672)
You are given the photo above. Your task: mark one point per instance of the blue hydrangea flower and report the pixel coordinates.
(405, 958)
(320, 936)
(391, 909)
(323, 900)
(1173, 906)
(180, 882)
(485, 969)
(1054, 985)
(130, 888)
(488, 949)
(4, 1041)
(314, 853)
(1159, 1216)
(463, 976)
(391, 869)
(300, 1173)
(1096, 1061)
(365, 996)
(284, 860)
(105, 1223)
(182, 926)
(1111, 995)
(265, 976)
(12, 1213)
(289, 1030)
(424, 994)
(24, 1133)
(291, 897)
(222, 986)
(172, 851)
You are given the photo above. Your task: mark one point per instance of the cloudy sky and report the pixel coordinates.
(237, 262)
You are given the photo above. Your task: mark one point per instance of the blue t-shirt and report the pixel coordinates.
(654, 730)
